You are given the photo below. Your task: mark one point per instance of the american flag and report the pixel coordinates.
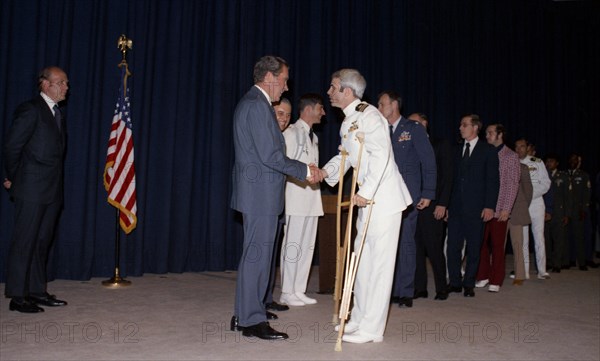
(119, 172)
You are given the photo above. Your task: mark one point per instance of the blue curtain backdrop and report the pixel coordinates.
(531, 65)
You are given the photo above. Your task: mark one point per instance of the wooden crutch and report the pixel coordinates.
(350, 259)
(349, 280)
(340, 250)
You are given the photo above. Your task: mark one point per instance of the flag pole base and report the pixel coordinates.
(116, 282)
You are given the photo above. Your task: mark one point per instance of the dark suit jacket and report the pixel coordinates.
(476, 181)
(34, 154)
(415, 159)
(261, 166)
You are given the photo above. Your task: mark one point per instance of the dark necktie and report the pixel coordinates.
(391, 131)
(57, 116)
(466, 153)
(310, 134)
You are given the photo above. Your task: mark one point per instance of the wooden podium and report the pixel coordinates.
(326, 239)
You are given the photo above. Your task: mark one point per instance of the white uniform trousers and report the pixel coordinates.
(537, 211)
(375, 274)
(297, 251)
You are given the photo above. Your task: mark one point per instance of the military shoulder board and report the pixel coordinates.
(361, 107)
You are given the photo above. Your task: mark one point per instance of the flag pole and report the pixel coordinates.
(116, 281)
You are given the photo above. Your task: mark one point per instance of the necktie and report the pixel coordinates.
(391, 131)
(466, 154)
(310, 134)
(57, 116)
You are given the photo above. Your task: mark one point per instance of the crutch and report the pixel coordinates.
(351, 260)
(340, 250)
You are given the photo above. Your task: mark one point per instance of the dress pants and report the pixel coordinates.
(469, 228)
(254, 269)
(375, 274)
(276, 250)
(491, 257)
(576, 240)
(554, 232)
(297, 252)
(404, 280)
(28, 254)
(429, 240)
(516, 239)
(537, 211)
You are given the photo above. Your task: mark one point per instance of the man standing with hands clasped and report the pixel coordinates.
(381, 187)
(259, 176)
(33, 157)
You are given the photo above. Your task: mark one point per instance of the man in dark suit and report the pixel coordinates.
(259, 177)
(429, 237)
(472, 203)
(33, 158)
(416, 162)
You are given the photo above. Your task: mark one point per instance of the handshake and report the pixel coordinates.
(316, 174)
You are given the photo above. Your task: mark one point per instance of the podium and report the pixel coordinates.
(326, 240)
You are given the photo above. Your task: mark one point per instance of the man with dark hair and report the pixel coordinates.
(33, 158)
(491, 261)
(580, 191)
(258, 191)
(416, 162)
(303, 205)
(472, 203)
(429, 237)
(557, 210)
(537, 209)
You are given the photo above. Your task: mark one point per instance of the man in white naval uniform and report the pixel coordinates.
(537, 209)
(303, 205)
(380, 182)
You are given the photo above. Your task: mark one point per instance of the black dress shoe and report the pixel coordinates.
(47, 300)
(394, 299)
(583, 268)
(469, 292)
(274, 306)
(441, 296)
(454, 289)
(271, 316)
(405, 301)
(556, 270)
(22, 305)
(234, 326)
(263, 331)
(592, 264)
(421, 294)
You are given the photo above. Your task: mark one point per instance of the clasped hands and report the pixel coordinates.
(316, 174)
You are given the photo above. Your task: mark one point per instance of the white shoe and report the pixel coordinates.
(543, 276)
(350, 327)
(290, 299)
(482, 283)
(359, 337)
(303, 298)
(494, 288)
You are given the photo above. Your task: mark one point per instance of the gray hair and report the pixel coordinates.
(268, 63)
(351, 78)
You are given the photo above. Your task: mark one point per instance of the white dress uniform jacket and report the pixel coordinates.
(378, 178)
(301, 197)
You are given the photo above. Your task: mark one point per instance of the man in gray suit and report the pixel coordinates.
(33, 158)
(259, 176)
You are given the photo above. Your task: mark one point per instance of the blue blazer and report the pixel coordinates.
(415, 159)
(476, 181)
(260, 168)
